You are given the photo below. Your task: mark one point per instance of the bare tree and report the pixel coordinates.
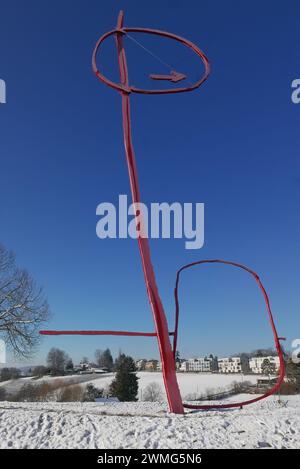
(56, 361)
(104, 359)
(23, 308)
(98, 356)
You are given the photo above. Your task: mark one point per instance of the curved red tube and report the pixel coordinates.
(271, 319)
(125, 87)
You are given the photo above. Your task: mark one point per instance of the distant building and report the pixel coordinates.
(159, 366)
(183, 366)
(151, 365)
(83, 366)
(140, 364)
(96, 369)
(202, 365)
(230, 365)
(257, 364)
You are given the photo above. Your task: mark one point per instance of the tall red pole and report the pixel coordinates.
(160, 321)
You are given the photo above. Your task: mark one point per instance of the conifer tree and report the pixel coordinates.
(125, 385)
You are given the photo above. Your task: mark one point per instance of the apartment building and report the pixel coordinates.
(230, 365)
(201, 365)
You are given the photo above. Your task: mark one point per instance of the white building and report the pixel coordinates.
(140, 364)
(196, 364)
(230, 365)
(159, 366)
(256, 363)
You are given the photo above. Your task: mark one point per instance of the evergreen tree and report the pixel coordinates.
(267, 367)
(56, 361)
(292, 371)
(125, 385)
(214, 363)
(245, 363)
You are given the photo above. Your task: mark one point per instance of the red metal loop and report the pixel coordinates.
(273, 327)
(127, 89)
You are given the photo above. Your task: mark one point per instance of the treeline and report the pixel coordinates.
(59, 363)
(56, 390)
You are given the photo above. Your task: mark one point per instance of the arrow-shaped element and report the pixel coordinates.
(174, 77)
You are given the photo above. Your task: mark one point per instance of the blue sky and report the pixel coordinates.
(233, 144)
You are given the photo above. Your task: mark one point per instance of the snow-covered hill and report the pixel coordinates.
(148, 425)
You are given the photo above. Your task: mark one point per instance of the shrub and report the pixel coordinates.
(91, 393)
(3, 394)
(45, 391)
(73, 393)
(26, 393)
(153, 393)
(291, 384)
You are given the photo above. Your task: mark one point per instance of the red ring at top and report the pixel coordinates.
(132, 89)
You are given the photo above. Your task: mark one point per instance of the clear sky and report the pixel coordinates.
(233, 144)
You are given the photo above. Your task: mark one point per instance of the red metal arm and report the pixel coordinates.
(126, 333)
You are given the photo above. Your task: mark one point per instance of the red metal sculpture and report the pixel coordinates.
(167, 352)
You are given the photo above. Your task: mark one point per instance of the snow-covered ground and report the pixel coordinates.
(266, 424)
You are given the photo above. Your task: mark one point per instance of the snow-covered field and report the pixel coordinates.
(189, 383)
(266, 424)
